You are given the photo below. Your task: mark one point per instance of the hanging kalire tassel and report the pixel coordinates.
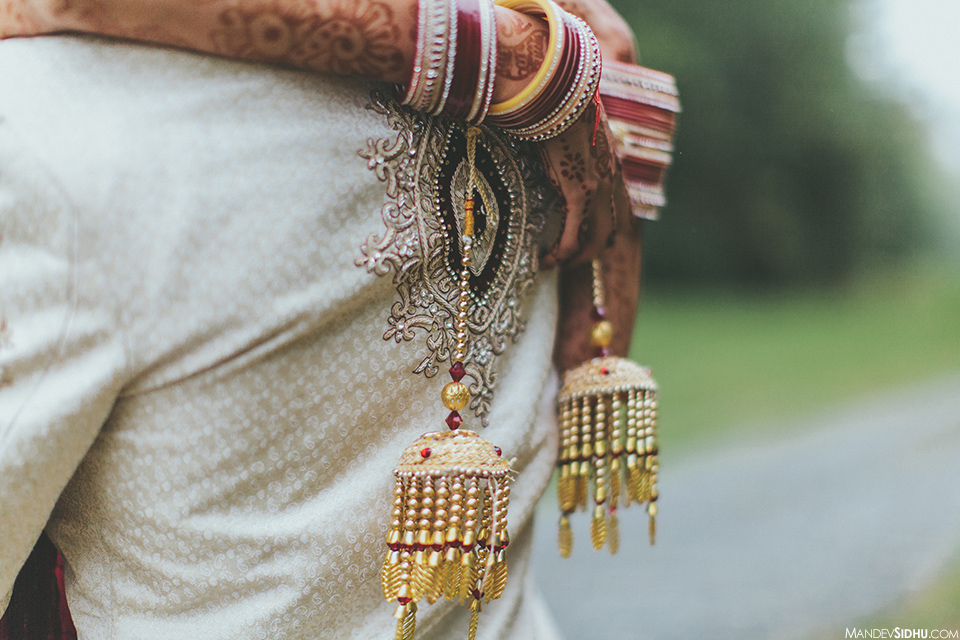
(608, 443)
(448, 536)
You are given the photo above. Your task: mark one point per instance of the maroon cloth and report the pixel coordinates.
(38, 607)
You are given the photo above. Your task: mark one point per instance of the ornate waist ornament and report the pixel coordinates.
(466, 206)
(465, 209)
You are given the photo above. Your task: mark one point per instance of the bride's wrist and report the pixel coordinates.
(521, 49)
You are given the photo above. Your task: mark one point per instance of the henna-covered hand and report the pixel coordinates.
(582, 168)
(621, 259)
(375, 39)
(18, 17)
(350, 38)
(598, 224)
(621, 278)
(370, 38)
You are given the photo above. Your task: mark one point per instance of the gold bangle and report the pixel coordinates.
(555, 45)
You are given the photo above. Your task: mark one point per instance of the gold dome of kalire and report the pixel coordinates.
(445, 452)
(605, 375)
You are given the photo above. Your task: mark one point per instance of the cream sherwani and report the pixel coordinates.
(195, 389)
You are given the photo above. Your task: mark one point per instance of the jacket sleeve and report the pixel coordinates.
(60, 355)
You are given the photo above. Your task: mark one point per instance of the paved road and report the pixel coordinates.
(777, 539)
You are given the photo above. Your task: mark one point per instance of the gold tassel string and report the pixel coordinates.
(474, 620)
(495, 577)
(616, 451)
(470, 561)
(454, 540)
(598, 527)
(613, 535)
(390, 576)
(422, 571)
(565, 537)
(586, 452)
(406, 621)
(434, 586)
(484, 557)
(632, 472)
(473, 178)
(405, 592)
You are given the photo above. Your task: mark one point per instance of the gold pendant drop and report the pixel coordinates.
(608, 442)
(448, 536)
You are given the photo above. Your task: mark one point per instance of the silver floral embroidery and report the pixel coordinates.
(423, 233)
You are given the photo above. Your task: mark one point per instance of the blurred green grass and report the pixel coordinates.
(932, 607)
(731, 362)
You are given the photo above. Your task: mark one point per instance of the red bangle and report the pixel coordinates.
(466, 69)
(635, 170)
(638, 113)
(642, 106)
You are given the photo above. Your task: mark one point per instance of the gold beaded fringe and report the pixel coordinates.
(608, 442)
(448, 536)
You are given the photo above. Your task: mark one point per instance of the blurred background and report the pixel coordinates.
(801, 312)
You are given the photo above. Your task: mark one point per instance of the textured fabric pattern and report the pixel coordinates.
(193, 377)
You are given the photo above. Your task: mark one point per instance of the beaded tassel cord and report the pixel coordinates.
(448, 537)
(608, 442)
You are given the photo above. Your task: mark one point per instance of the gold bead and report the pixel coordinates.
(602, 334)
(455, 396)
(601, 494)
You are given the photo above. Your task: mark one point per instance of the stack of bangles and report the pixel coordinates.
(641, 106)
(455, 67)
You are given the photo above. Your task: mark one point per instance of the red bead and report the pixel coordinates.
(403, 600)
(425, 452)
(498, 450)
(454, 420)
(605, 371)
(457, 371)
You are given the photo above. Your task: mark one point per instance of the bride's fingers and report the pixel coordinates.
(584, 170)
